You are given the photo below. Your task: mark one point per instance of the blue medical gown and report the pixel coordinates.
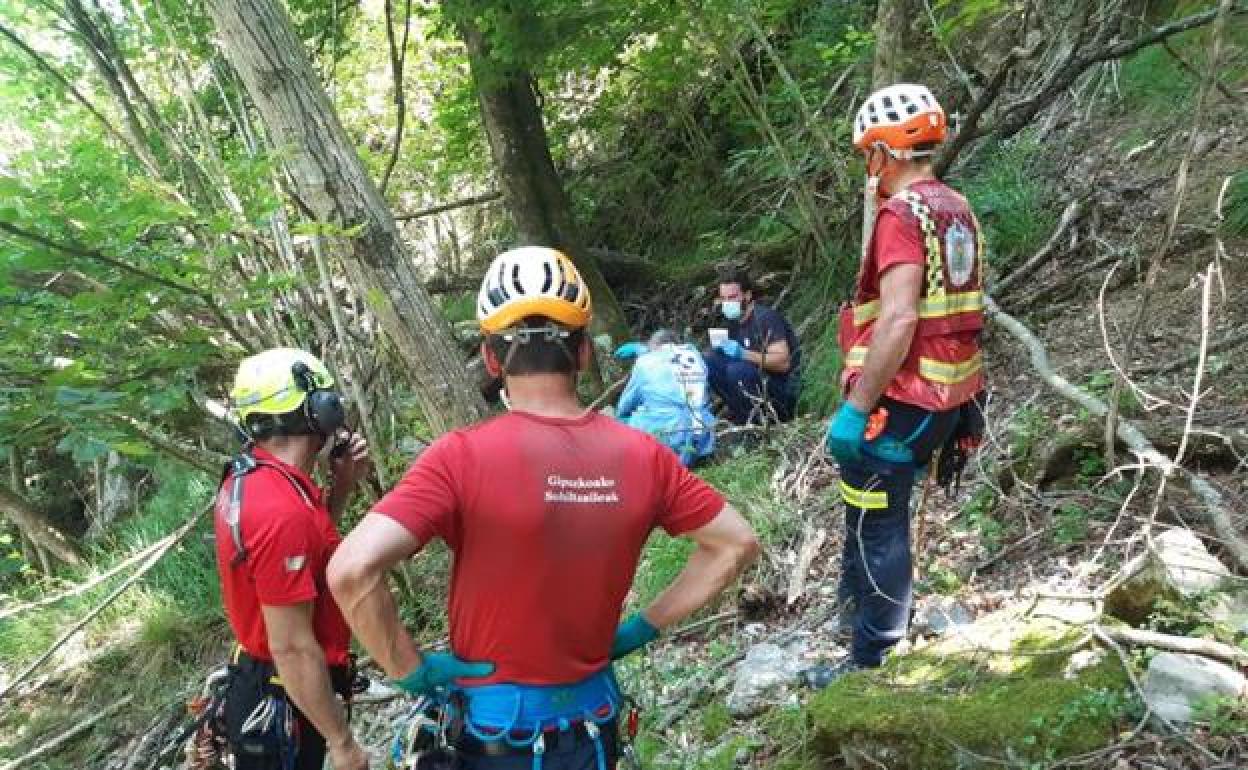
(667, 397)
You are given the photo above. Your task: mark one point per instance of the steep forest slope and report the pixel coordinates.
(1107, 159)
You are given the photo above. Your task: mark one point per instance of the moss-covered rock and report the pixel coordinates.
(1002, 689)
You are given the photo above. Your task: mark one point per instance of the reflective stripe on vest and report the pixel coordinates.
(939, 306)
(944, 372)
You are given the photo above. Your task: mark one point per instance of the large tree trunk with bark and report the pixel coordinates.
(892, 20)
(34, 525)
(333, 187)
(530, 184)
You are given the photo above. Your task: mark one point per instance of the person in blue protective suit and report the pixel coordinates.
(667, 396)
(757, 369)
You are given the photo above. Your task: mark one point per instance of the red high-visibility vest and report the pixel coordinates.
(944, 368)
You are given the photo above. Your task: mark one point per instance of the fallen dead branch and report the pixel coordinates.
(1228, 343)
(82, 588)
(1069, 216)
(151, 562)
(1215, 510)
(812, 541)
(67, 736)
(1206, 647)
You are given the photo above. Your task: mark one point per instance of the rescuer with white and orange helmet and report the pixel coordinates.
(910, 342)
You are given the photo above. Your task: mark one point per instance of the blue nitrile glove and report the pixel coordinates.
(437, 670)
(731, 348)
(845, 433)
(630, 350)
(633, 634)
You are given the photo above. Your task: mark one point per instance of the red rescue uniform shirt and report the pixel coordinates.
(546, 518)
(288, 543)
(897, 242)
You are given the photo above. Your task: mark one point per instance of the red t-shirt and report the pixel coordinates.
(288, 541)
(893, 242)
(546, 518)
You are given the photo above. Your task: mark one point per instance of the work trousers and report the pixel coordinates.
(250, 681)
(877, 564)
(739, 383)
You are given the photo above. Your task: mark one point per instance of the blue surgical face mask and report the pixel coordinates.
(731, 308)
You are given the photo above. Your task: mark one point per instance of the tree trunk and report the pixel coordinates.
(333, 188)
(892, 20)
(530, 184)
(35, 525)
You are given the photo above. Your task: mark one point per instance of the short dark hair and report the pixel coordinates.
(538, 354)
(738, 275)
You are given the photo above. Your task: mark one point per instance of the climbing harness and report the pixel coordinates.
(507, 719)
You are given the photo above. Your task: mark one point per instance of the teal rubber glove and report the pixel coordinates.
(630, 350)
(845, 433)
(731, 348)
(633, 634)
(437, 670)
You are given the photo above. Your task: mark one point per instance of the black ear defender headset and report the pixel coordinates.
(321, 414)
(322, 409)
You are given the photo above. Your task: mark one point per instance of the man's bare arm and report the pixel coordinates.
(357, 578)
(724, 547)
(774, 359)
(300, 663)
(894, 330)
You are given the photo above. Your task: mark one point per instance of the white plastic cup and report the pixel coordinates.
(718, 336)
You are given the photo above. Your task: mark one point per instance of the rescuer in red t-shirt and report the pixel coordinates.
(912, 362)
(546, 510)
(275, 533)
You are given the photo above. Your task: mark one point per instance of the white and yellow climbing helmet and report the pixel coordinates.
(532, 281)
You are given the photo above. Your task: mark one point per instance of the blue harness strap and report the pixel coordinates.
(521, 714)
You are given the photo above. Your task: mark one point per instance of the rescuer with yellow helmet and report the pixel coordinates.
(275, 533)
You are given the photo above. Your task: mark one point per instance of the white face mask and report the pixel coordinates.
(731, 308)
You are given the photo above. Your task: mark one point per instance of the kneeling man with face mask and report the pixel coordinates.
(756, 370)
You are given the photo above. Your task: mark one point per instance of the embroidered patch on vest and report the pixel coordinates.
(960, 253)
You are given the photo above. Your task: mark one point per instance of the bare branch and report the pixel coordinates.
(1215, 510)
(398, 58)
(475, 200)
(1069, 217)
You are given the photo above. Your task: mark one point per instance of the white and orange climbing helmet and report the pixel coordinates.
(900, 117)
(532, 281)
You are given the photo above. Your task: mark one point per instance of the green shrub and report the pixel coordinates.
(1014, 203)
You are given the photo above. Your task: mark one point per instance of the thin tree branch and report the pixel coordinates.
(152, 560)
(475, 200)
(55, 74)
(398, 57)
(98, 256)
(1069, 217)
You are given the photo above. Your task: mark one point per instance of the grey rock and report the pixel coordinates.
(1176, 682)
(1231, 610)
(939, 614)
(1180, 567)
(766, 669)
